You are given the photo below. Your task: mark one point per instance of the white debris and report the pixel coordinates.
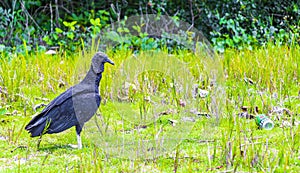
(50, 52)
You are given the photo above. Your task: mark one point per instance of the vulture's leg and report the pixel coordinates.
(78, 131)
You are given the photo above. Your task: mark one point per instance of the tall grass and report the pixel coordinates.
(263, 78)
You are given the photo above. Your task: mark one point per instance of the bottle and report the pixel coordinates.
(264, 122)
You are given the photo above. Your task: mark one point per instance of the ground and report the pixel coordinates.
(216, 137)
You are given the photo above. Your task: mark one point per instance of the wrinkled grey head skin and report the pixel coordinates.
(98, 62)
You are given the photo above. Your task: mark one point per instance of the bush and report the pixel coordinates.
(71, 24)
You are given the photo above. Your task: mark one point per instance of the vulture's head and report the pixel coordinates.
(98, 62)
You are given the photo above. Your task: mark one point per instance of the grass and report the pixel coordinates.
(150, 101)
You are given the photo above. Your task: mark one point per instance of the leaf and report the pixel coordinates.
(58, 30)
(73, 23)
(97, 21)
(236, 39)
(66, 24)
(120, 30)
(126, 30)
(47, 40)
(55, 36)
(3, 111)
(137, 28)
(70, 35)
(92, 21)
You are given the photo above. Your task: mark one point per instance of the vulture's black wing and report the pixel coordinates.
(51, 113)
(65, 111)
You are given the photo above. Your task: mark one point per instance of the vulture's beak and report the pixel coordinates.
(109, 61)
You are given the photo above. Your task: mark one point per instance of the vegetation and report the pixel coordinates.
(167, 105)
(66, 24)
(266, 78)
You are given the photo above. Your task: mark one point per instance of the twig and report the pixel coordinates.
(42, 8)
(117, 12)
(5, 5)
(176, 160)
(64, 8)
(21, 147)
(56, 14)
(43, 163)
(229, 155)
(98, 127)
(27, 13)
(192, 14)
(51, 20)
(39, 142)
(13, 17)
(266, 151)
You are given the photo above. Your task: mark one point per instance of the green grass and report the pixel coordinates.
(227, 143)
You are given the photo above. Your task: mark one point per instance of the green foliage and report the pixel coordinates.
(134, 38)
(67, 39)
(235, 24)
(247, 24)
(227, 24)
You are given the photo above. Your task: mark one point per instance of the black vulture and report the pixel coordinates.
(73, 107)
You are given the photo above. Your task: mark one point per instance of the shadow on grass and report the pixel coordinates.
(56, 147)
